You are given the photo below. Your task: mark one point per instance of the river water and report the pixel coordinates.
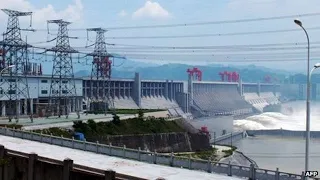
(287, 154)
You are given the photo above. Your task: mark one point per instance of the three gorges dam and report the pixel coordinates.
(221, 106)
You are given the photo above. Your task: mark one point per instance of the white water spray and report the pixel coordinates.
(271, 120)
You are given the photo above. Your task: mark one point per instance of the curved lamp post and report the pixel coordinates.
(299, 23)
(6, 68)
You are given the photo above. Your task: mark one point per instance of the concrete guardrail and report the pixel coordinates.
(37, 163)
(155, 158)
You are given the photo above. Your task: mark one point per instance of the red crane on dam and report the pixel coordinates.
(195, 73)
(229, 76)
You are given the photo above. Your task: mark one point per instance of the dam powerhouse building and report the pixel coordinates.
(181, 98)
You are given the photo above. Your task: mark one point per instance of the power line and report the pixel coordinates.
(157, 58)
(212, 35)
(203, 23)
(222, 61)
(211, 55)
(206, 35)
(153, 47)
(207, 47)
(216, 57)
(252, 49)
(215, 51)
(201, 51)
(228, 57)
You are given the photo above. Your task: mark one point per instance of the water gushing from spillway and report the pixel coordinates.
(295, 121)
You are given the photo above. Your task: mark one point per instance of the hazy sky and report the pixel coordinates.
(117, 13)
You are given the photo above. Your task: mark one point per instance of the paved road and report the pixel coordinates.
(43, 123)
(69, 123)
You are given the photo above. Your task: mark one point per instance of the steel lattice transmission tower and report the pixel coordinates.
(62, 89)
(101, 72)
(14, 52)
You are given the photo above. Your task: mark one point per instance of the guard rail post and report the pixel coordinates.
(171, 159)
(139, 154)
(124, 151)
(62, 140)
(252, 172)
(189, 161)
(214, 139)
(31, 165)
(41, 135)
(97, 146)
(229, 169)
(155, 157)
(110, 150)
(109, 175)
(2, 155)
(67, 167)
(277, 174)
(209, 170)
(84, 144)
(303, 177)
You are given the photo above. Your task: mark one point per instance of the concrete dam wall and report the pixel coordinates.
(220, 99)
(162, 143)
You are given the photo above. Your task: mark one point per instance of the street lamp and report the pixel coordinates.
(6, 68)
(299, 23)
(316, 66)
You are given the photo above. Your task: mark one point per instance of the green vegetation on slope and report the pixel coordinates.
(15, 126)
(249, 73)
(205, 155)
(126, 127)
(125, 111)
(211, 154)
(229, 152)
(138, 125)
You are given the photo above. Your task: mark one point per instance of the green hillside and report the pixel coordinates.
(210, 73)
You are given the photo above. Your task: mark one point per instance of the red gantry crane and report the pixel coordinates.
(195, 73)
(229, 76)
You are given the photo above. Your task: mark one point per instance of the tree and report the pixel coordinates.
(92, 124)
(140, 114)
(115, 119)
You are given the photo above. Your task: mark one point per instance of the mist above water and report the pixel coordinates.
(271, 120)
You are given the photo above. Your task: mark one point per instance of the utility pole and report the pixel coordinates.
(62, 89)
(101, 72)
(14, 53)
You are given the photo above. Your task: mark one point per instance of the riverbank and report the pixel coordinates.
(235, 158)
